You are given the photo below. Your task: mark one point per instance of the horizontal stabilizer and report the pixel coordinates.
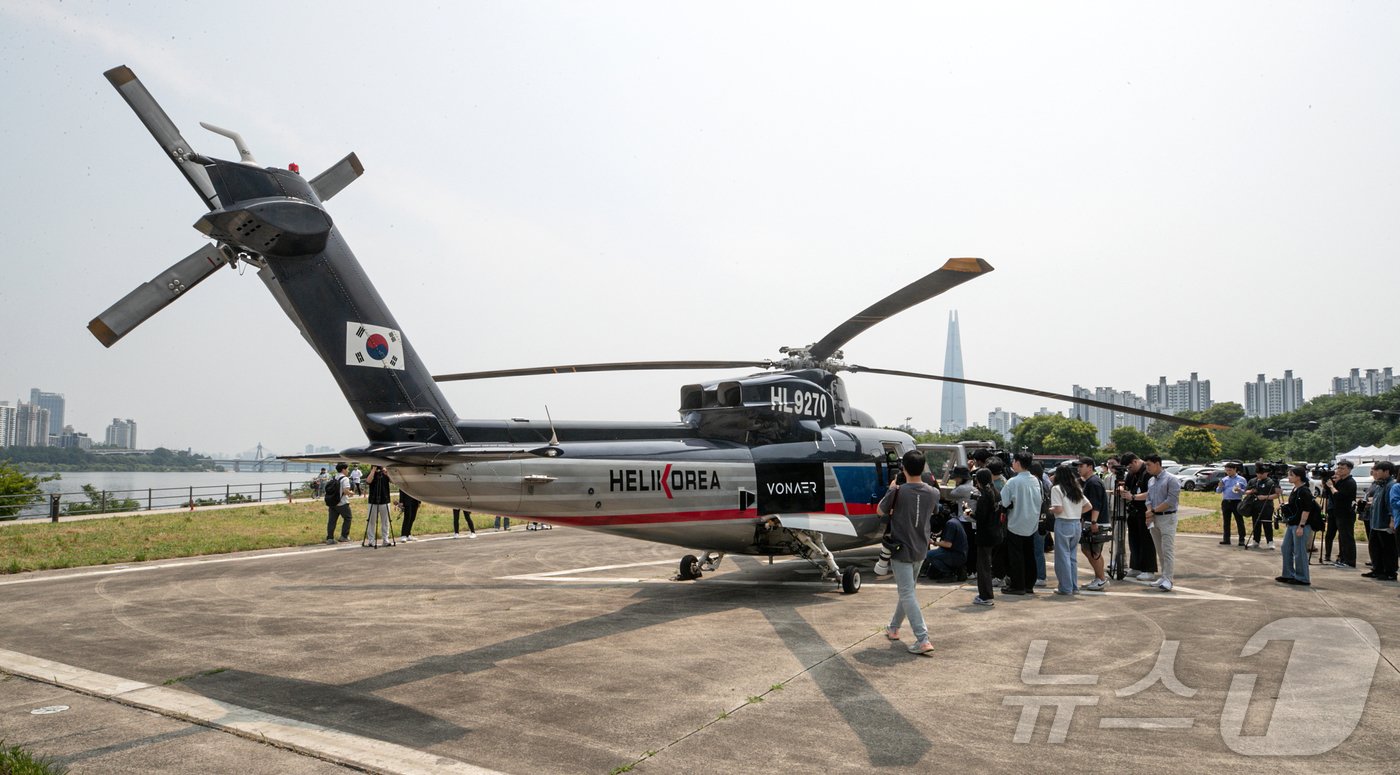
(152, 297)
(342, 174)
(822, 523)
(413, 454)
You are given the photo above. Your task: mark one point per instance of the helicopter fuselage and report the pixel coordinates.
(715, 494)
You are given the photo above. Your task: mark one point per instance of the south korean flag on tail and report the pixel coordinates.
(376, 346)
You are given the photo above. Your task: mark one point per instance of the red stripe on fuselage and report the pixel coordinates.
(714, 515)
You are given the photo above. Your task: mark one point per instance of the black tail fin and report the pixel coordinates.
(275, 220)
(276, 216)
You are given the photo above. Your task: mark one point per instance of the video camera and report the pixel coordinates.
(1322, 472)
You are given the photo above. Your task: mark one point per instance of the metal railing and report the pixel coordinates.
(53, 506)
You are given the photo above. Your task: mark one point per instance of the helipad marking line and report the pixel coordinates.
(1178, 591)
(320, 742)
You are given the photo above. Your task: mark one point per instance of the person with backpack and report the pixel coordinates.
(337, 499)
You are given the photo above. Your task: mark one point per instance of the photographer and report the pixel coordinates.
(909, 508)
(378, 525)
(1132, 487)
(1301, 519)
(946, 560)
(1096, 521)
(1231, 490)
(1264, 490)
(1340, 490)
(1382, 543)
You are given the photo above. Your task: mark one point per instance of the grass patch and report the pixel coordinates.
(17, 761)
(142, 537)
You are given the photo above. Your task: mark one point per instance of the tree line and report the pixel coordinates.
(1319, 430)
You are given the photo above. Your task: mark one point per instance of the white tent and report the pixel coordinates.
(1371, 453)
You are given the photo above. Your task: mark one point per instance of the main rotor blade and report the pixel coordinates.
(164, 131)
(152, 297)
(619, 366)
(1043, 394)
(953, 273)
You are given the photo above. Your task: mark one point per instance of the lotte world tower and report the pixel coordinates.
(954, 417)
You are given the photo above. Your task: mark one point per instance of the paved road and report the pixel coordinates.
(564, 651)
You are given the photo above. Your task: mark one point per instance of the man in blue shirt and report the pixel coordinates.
(1231, 490)
(1021, 497)
(1163, 493)
(1382, 541)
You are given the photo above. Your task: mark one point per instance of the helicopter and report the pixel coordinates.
(775, 462)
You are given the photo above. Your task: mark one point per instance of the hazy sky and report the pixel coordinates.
(557, 182)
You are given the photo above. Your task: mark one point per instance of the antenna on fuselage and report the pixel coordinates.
(244, 155)
(553, 436)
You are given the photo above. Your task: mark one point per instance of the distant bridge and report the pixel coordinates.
(269, 463)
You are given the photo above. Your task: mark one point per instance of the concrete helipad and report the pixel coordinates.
(564, 651)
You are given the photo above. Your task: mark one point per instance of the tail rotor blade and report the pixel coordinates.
(954, 272)
(1043, 394)
(149, 298)
(591, 367)
(164, 131)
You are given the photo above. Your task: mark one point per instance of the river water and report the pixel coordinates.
(171, 489)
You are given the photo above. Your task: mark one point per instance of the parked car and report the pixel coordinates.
(1185, 476)
(1208, 478)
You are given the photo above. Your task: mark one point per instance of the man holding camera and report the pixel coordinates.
(909, 508)
(1095, 521)
(1264, 488)
(1340, 489)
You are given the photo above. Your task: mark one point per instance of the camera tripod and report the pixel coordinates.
(1117, 559)
(372, 520)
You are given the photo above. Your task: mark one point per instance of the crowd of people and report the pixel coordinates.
(998, 514)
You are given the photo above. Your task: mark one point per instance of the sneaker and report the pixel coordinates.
(979, 601)
(1271, 545)
(1097, 585)
(1165, 586)
(1301, 583)
(1284, 579)
(1062, 592)
(923, 648)
(882, 568)
(1041, 583)
(1370, 574)
(1253, 544)
(330, 540)
(456, 535)
(998, 584)
(891, 633)
(1226, 542)
(342, 540)
(1144, 576)
(1340, 564)
(471, 535)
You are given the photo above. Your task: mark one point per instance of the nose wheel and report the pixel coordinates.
(690, 568)
(850, 580)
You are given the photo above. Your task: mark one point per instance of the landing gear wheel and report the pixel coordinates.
(690, 568)
(850, 580)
